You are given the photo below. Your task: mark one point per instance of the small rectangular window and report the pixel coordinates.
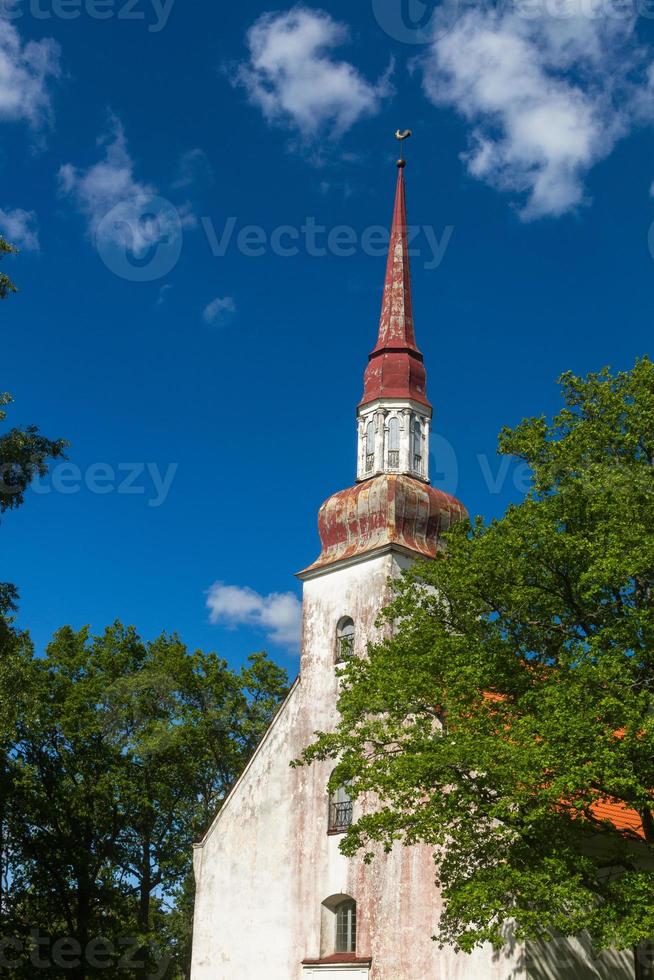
(340, 816)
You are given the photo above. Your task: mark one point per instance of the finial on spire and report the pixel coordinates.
(401, 136)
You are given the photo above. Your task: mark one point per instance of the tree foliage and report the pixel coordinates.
(24, 454)
(513, 697)
(122, 753)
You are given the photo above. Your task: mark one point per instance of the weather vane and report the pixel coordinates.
(401, 136)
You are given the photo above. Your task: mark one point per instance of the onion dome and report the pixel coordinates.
(387, 511)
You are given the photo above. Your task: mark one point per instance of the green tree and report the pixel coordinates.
(188, 724)
(131, 749)
(15, 656)
(6, 285)
(65, 812)
(513, 696)
(24, 454)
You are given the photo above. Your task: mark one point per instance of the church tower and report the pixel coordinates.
(276, 898)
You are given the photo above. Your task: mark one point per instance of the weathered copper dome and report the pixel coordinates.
(387, 510)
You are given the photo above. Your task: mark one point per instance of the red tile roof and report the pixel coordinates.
(622, 818)
(613, 811)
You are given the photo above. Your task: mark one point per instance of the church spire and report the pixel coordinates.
(392, 507)
(396, 323)
(394, 414)
(395, 367)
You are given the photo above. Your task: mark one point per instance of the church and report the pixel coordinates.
(276, 900)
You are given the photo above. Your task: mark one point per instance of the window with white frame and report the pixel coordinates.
(338, 925)
(346, 927)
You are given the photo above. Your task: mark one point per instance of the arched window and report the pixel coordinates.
(338, 925)
(370, 447)
(394, 443)
(346, 927)
(344, 639)
(416, 447)
(340, 810)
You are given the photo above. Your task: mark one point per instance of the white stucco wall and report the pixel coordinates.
(575, 959)
(267, 864)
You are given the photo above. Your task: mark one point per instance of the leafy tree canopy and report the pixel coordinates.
(512, 697)
(122, 753)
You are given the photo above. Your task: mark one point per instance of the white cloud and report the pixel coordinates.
(20, 228)
(547, 96)
(293, 79)
(219, 310)
(25, 73)
(278, 614)
(108, 184)
(121, 210)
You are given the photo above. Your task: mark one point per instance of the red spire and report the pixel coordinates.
(396, 368)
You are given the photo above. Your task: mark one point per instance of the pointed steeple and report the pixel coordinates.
(393, 506)
(396, 323)
(395, 368)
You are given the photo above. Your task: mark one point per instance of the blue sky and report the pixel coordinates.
(208, 392)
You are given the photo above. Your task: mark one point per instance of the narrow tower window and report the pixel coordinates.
(344, 639)
(346, 927)
(394, 444)
(340, 811)
(370, 447)
(416, 449)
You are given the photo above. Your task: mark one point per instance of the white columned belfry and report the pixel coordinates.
(395, 440)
